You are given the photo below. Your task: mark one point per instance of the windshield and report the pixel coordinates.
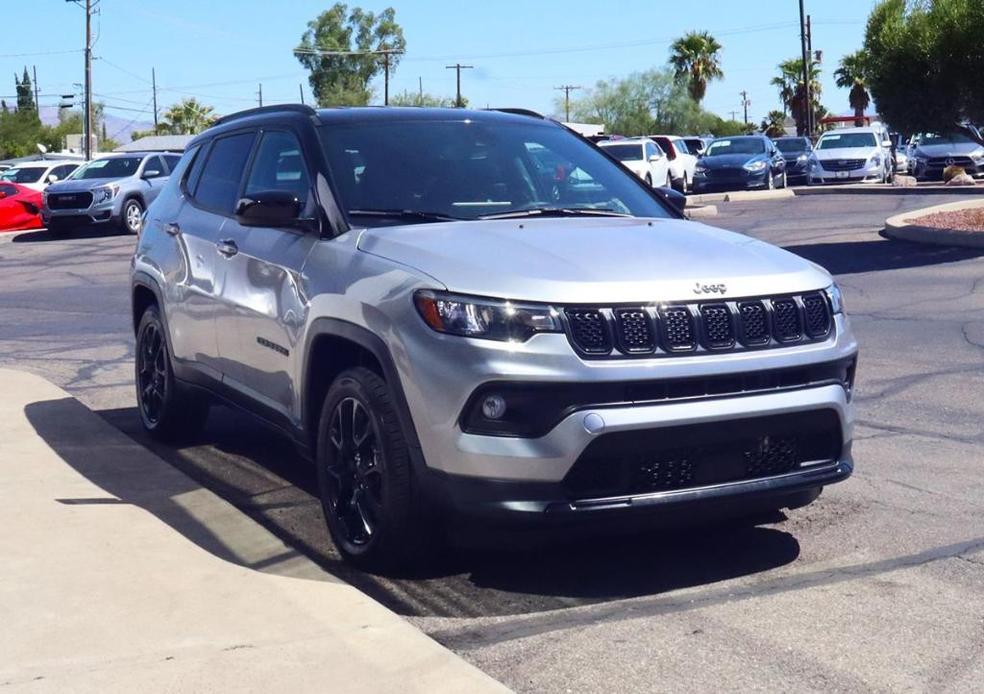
(30, 174)
(791, 146)
(847, 140)
(471, 169)
(625, 152)
(107, 168)
(736, 145)
(948, 139)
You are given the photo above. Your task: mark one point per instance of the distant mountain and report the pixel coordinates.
(116, 127)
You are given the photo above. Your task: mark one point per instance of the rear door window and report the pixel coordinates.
(222, 174)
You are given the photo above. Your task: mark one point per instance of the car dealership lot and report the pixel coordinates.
(876, 586)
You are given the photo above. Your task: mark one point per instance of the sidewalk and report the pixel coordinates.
(119, 573)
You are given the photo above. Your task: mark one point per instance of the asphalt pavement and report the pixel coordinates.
(877, 586)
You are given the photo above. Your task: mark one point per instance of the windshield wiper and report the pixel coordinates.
(557, 212)
(406, 214)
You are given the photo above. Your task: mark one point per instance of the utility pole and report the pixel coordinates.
(458, 67)
(420, 89)
(300, 89)
(37, 92)
(745, 103)
(807, 97)
(153, 85)
(734, 115)
(386, 78)
(259, 94)
(567, 88)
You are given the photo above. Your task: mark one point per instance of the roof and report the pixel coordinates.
(626, 141)
(156, 143)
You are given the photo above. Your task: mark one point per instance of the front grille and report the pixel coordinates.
(786, 319)
(698, 455)
(700, 327)
(842, 164)
(69, 201)
(726, 173)
(948, 161)
(817, 316)
(589, 330)
(635, 330)
(719, 332)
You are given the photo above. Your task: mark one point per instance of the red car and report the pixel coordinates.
(20, 207)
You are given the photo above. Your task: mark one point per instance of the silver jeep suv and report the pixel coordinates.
(480, 315)
(114, 189)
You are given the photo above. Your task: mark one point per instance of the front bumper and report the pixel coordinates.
(97, 213)
(867, 174)
(934, 172)
(720, 181)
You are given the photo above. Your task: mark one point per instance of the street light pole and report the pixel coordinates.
(807, 98)
(87, 121)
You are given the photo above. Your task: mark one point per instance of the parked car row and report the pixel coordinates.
(38, 175)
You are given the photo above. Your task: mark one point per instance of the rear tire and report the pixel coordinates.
(168, 411)
(365, 476)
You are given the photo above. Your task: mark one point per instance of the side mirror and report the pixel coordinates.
(151, 173)
(273, 208)
(886, 143)
(655, 157)
(52, 178)
(673, 198)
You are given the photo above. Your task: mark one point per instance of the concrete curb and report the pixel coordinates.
(741, 196)
(702, 211)
(899, 227)
(123, 574)
(877, 189)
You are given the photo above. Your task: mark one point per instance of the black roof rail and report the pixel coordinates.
(520, 112)
(275, 108)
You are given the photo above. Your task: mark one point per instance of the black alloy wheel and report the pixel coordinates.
(153, 383)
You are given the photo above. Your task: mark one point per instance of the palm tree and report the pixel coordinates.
(774, 124)
(189, 117)
(852, 74)
(696, 58)
(791, 90)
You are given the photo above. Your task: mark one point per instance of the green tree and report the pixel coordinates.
(792, 93)
(344, 80)
(696, 59)
(25, 93)
(187, 117)
(774, 124)
(852, 74)
(408, 98)
(925, 61)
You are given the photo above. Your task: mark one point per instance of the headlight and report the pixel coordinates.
(104, 194)
(755, 166)
(700, 169)
(875, 160)
(833, 293)
(489, 319)
(802, 157)
(977, 153)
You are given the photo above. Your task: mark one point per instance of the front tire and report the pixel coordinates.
(649, 180)
(364, 475)
(168, 411)
(131, 216)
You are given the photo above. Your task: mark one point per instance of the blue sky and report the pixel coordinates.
(219, 50)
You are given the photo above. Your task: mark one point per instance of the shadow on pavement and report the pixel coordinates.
(258, 471)
(882, 254)
(96, 231)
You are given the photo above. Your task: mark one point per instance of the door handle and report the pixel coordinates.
(172, 228)
(227, 247)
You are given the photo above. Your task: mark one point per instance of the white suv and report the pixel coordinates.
(643, 157)
(854, 154)
(37, 175)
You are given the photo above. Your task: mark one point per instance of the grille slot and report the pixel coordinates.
(69, 201)
(719, 330)
(843, 164)
(786, 321)
(678, 329)
(754, 321)
(817, 315)
(635, 330)
(589, 330)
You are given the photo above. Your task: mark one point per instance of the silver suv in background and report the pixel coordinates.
(454, 326)
(114, 189)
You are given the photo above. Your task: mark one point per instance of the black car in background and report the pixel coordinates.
(799, 156)
(746, 162)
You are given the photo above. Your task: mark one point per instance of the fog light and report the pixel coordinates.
(493, 406)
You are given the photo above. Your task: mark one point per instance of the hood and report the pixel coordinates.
(599, 260)
(729, 161)
(80, 186)
(846, 153)
(948, 149)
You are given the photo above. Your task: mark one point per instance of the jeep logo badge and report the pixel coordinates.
(700, 288)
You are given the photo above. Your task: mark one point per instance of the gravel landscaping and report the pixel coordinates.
(970, 220)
